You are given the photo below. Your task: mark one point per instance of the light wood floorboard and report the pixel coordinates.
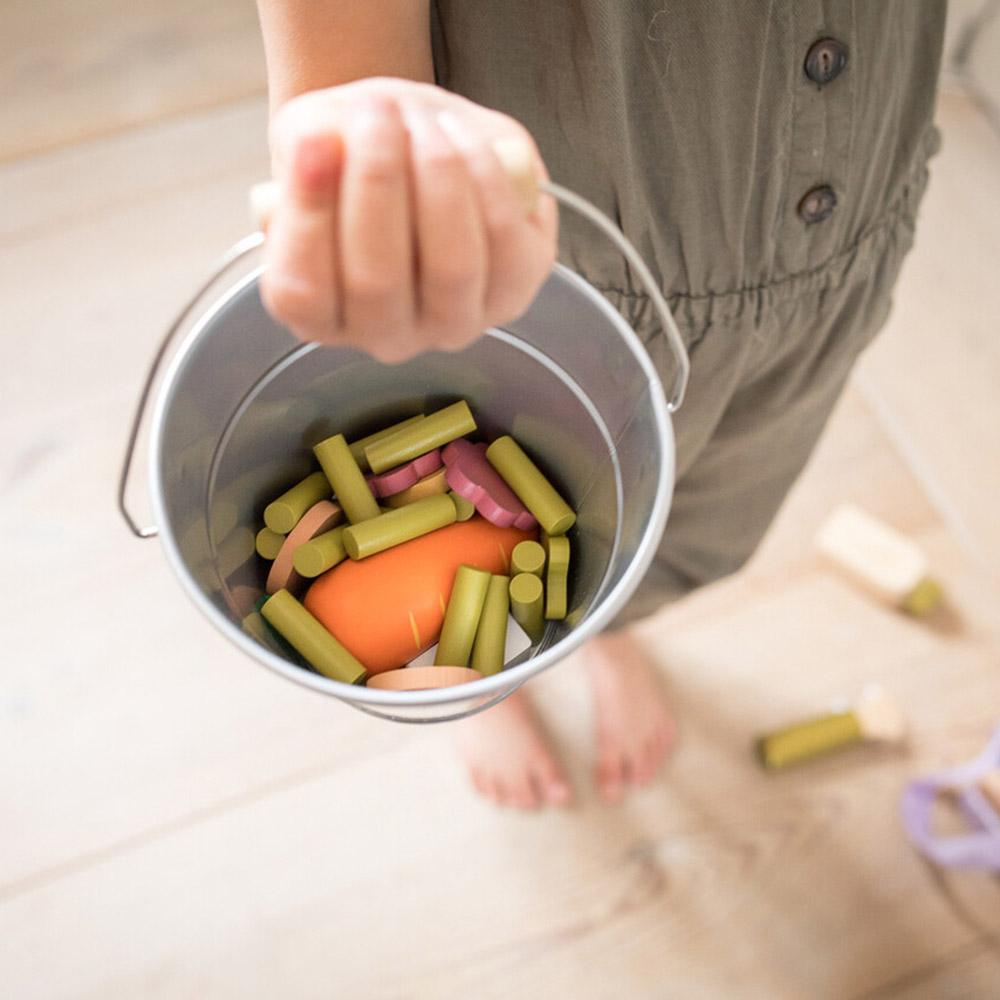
(175, 821)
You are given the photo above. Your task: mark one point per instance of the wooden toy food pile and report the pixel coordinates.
(412, 536)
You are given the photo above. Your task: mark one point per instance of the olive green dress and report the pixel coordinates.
(767, 159)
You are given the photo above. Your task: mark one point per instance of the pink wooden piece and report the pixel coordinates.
(401, 478)
(471, 476)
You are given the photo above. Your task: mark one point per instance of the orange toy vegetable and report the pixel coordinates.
(388, 608)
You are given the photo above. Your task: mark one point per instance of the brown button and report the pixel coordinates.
(817, 204)
(825, 60)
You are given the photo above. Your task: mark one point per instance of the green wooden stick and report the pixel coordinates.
(526, 604)
(283, 514)
(527, 557)
(809, 739)
(268, 543)
(346, 478)
(317, 646)
(490, 645)
(530, 485)
(461, 618)
(358, 447)
(556, 574)
(434, 430)
(398, 526)
(320, 553)
(464, 508)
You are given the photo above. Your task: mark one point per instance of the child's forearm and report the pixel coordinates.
(311, 44)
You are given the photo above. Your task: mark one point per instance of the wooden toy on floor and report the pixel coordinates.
(887, 564)
(973, 786)
(876, 717)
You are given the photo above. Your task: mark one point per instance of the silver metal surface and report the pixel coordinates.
(239, 250)
(242, 402)
(254, 240)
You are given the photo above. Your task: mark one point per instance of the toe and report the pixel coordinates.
(610, 778)
(495, 791)
(523, 794)
(647, 763)
(480, 782)
(552, 787)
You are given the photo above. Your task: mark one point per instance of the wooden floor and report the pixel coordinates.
(176, 822)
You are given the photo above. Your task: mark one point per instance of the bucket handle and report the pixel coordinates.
(597, 218)
(232, 255)
(516, 162)
(249, 243)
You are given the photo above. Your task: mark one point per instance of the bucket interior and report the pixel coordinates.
(244, 403)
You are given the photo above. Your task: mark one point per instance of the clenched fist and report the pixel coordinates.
(395, 228)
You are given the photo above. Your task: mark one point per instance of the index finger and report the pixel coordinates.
(299, 284)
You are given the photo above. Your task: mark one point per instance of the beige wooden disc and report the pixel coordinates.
(423, 678)
(318, 518)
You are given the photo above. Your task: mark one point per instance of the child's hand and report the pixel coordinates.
(396, 228)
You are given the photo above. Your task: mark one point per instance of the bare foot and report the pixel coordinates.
(508, 759)
(633, 726)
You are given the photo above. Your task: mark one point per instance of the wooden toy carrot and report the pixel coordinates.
(389, 608)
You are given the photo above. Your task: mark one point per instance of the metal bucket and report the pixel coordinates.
(242, 402)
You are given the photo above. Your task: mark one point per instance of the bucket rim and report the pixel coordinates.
(489, 689)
